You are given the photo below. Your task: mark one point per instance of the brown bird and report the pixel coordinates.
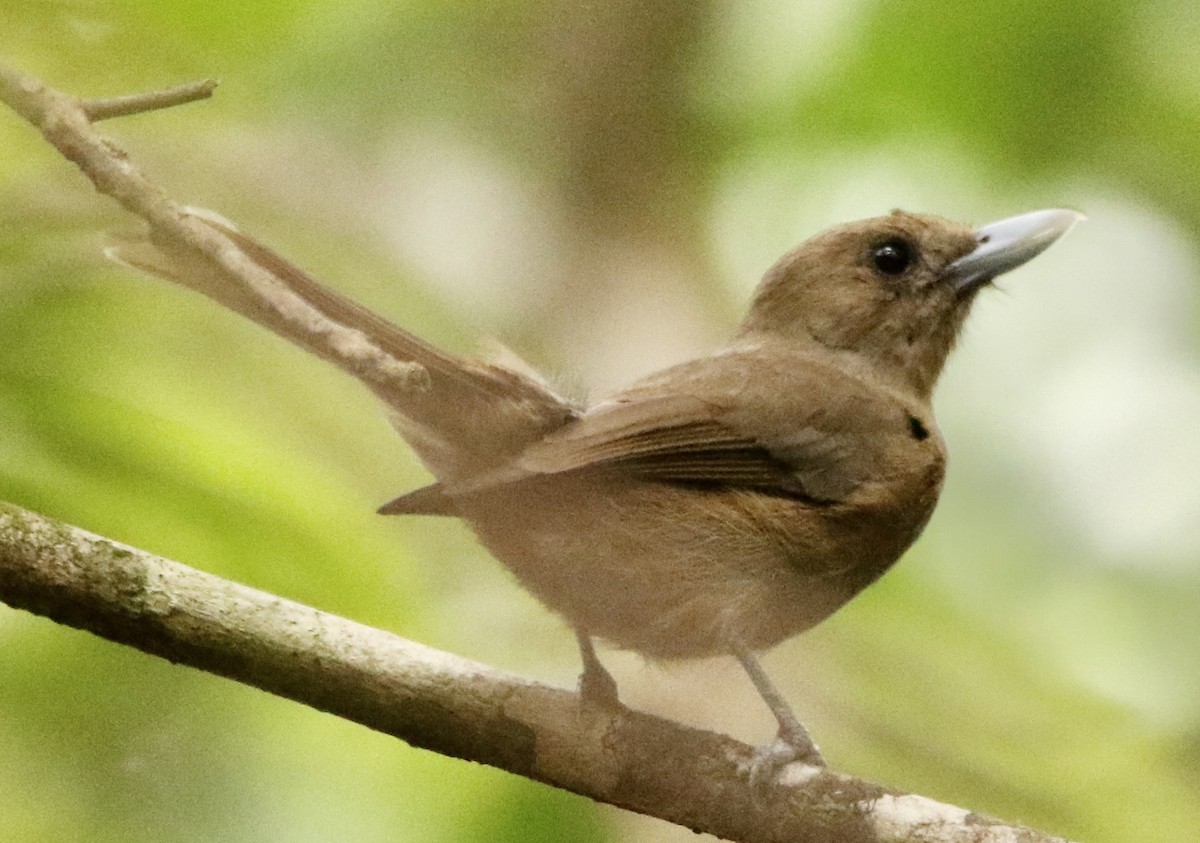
(719, 506)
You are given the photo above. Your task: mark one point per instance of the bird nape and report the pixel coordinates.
(719, 506)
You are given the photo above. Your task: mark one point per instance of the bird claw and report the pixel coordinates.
(770, 758)
(597, 688)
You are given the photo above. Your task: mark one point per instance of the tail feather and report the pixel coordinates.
(430, 500)
(460, 415)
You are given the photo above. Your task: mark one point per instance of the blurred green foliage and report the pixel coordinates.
(600, 184)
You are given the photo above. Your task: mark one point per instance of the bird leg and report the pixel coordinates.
(596, 685)
(792, 742)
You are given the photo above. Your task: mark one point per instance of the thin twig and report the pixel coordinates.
(104, 108)
(191, 247)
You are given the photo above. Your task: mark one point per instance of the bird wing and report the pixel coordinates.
(672, 438)
(715, 427)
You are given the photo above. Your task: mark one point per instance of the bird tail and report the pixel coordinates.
(428, 500)
(460, 416)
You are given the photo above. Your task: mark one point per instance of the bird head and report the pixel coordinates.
(893, 291)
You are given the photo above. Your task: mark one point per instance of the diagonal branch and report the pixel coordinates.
(428, 698)
(200, 251)
(448, 704)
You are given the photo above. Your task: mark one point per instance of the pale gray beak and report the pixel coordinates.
(1005, 245)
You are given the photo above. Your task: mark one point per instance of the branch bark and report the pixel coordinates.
(448, 704)
(430, 699)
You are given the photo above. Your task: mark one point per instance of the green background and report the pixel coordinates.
(599, 185)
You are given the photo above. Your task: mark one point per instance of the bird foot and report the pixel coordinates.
(598, 689)
(770, 758)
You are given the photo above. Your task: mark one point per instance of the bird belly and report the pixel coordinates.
(683, 572)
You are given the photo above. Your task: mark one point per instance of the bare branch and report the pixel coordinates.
(123, 106)
(448, 704)
(203, 252)
(428, 698)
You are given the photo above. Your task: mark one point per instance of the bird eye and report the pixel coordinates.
(892, 257)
